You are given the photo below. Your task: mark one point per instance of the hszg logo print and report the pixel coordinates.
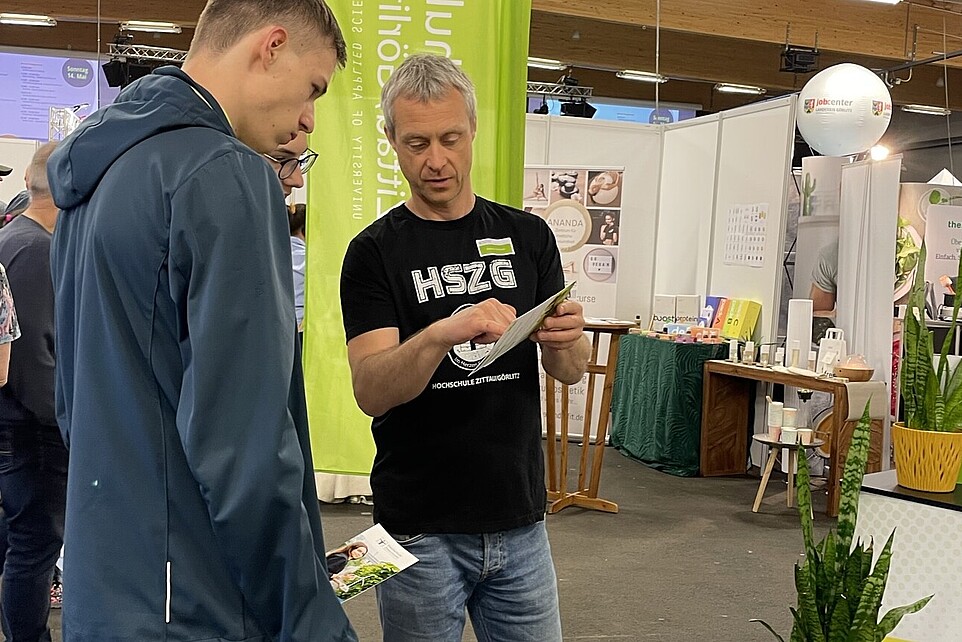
(468, 354)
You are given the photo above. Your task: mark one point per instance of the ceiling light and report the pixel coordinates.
(729, 88)
(932, 110)
(886, 1)
(546, 63)
(641, 76)
(27, 20)
(150, 26)
(879, 152)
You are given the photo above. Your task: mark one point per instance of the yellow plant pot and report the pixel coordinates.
(927, 460)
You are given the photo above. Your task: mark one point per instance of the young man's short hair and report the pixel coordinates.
(224, 22)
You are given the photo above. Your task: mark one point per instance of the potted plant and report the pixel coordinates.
(928, 446)
(839, 592)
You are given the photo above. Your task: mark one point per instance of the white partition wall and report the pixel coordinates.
(866, 264)
(754, 162)
(686, 205)
(577, 142)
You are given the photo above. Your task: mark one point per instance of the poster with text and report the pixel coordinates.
(583, 208)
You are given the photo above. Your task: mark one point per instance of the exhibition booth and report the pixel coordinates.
(746, 313)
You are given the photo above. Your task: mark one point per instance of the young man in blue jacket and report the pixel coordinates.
(191, 507)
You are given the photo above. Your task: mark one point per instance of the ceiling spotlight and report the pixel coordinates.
(641, 76)
(730, 88)
(543, 109)
(879, 152)
(27, 20)
(150, 26)
(581, 109)
(931, 110)
(546, 63)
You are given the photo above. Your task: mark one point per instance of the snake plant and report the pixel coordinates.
(839, 592)
(933, 398)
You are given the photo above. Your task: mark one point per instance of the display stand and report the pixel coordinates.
(589, 469)
(728, 391)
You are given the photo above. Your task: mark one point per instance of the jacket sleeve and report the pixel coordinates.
(231, 279)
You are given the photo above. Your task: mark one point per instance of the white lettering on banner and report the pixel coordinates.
(462, 278)
(392, 18)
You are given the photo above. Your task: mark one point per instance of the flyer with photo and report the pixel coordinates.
(365, 561)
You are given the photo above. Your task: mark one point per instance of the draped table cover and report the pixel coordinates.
(657, 399)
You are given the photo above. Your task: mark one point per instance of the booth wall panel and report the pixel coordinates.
(685, 210)
(584, 143)
(753, 167)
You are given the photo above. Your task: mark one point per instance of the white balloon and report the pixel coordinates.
(844, 110)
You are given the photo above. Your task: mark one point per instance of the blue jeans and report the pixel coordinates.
(506, 582)
(33, 491)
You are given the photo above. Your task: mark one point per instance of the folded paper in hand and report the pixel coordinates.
(524, 326)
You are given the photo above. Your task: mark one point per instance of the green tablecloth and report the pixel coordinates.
(656, 402)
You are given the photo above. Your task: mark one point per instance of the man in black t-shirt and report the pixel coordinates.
(458, 477)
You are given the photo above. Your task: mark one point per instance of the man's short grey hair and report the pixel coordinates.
(37, 171)
(426, 77)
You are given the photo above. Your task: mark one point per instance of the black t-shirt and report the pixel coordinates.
(464, 456)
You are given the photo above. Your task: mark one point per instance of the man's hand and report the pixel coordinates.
(484, 322)
(564, 329)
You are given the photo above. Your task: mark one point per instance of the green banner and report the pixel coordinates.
(357, 177)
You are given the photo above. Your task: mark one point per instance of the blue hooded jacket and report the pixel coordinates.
(191, 506)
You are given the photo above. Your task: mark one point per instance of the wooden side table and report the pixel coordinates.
(728, 393)
(773, 447)
(589, 469)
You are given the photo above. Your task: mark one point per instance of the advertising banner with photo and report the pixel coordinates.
(583, 207)
(359, 177)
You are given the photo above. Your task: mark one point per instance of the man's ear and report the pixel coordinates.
(271, 41)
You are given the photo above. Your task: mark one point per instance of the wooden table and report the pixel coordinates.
(589, 469)
(774, 445)
(728, 392)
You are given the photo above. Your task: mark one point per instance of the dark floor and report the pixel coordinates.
(683, 560)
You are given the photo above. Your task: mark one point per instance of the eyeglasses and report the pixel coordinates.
(286, 166)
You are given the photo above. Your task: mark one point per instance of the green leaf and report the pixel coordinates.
(770, 629)
(866, 615)
(852, 479)
(840, 621)
(893, 617)
(807, 608)
(804, 495)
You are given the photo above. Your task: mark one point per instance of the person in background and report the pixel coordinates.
(193, 512)
(458, 475)
(292, 161)
(4, 172)
(33, 459)
(297, 216)
(15, 207)
(9, 332)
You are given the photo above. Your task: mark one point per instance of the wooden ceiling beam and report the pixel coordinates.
(183, 12)
(710, 59)
(848, 26)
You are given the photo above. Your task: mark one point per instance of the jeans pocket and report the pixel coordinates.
(407, 540)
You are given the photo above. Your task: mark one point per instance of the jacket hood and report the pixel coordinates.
(165, 100)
